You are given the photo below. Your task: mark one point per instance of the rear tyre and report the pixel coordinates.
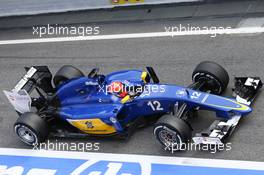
(213, 75)
(31, 129)
(66, 73)
(172, 132)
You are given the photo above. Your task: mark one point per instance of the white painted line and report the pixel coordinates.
(243, 30)
(214, 163)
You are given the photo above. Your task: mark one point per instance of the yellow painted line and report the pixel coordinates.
(121, 2)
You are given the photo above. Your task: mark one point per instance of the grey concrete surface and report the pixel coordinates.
(173, 58)
(257, 7)
(160, 12)
(33, 7)
(237, 7)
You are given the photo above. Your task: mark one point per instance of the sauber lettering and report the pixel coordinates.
(19, 170)
(90, 167)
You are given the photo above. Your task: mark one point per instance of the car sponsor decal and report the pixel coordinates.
(181, 93)
(92, 126)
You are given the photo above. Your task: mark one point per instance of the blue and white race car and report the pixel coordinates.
(116, 104)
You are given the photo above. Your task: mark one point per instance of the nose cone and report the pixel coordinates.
(243, 109)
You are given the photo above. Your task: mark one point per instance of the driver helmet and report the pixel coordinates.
(118, 88)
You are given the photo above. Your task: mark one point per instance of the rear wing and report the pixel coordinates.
(37, 77)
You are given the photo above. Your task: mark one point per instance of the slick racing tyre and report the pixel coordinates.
(31, 128)
(172, 132)
(65, 73)
(213, 75)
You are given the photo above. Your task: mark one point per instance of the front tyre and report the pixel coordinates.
(172, 132)
(31, 129)
(213, 75)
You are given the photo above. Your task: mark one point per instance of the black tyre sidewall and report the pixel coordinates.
(34, 123)
(65, 73)
(177, 125)
(214, 70)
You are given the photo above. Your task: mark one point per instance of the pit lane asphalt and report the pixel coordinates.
(173, 58)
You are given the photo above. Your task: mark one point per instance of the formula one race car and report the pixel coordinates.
(118, 103)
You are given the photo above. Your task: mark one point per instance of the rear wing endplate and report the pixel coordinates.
(36, 76)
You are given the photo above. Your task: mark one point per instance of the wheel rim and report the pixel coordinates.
(170, 138)
(26, 134)
(207, 78)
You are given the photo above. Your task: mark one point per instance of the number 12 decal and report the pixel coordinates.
(155, 105)
(195, 95)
